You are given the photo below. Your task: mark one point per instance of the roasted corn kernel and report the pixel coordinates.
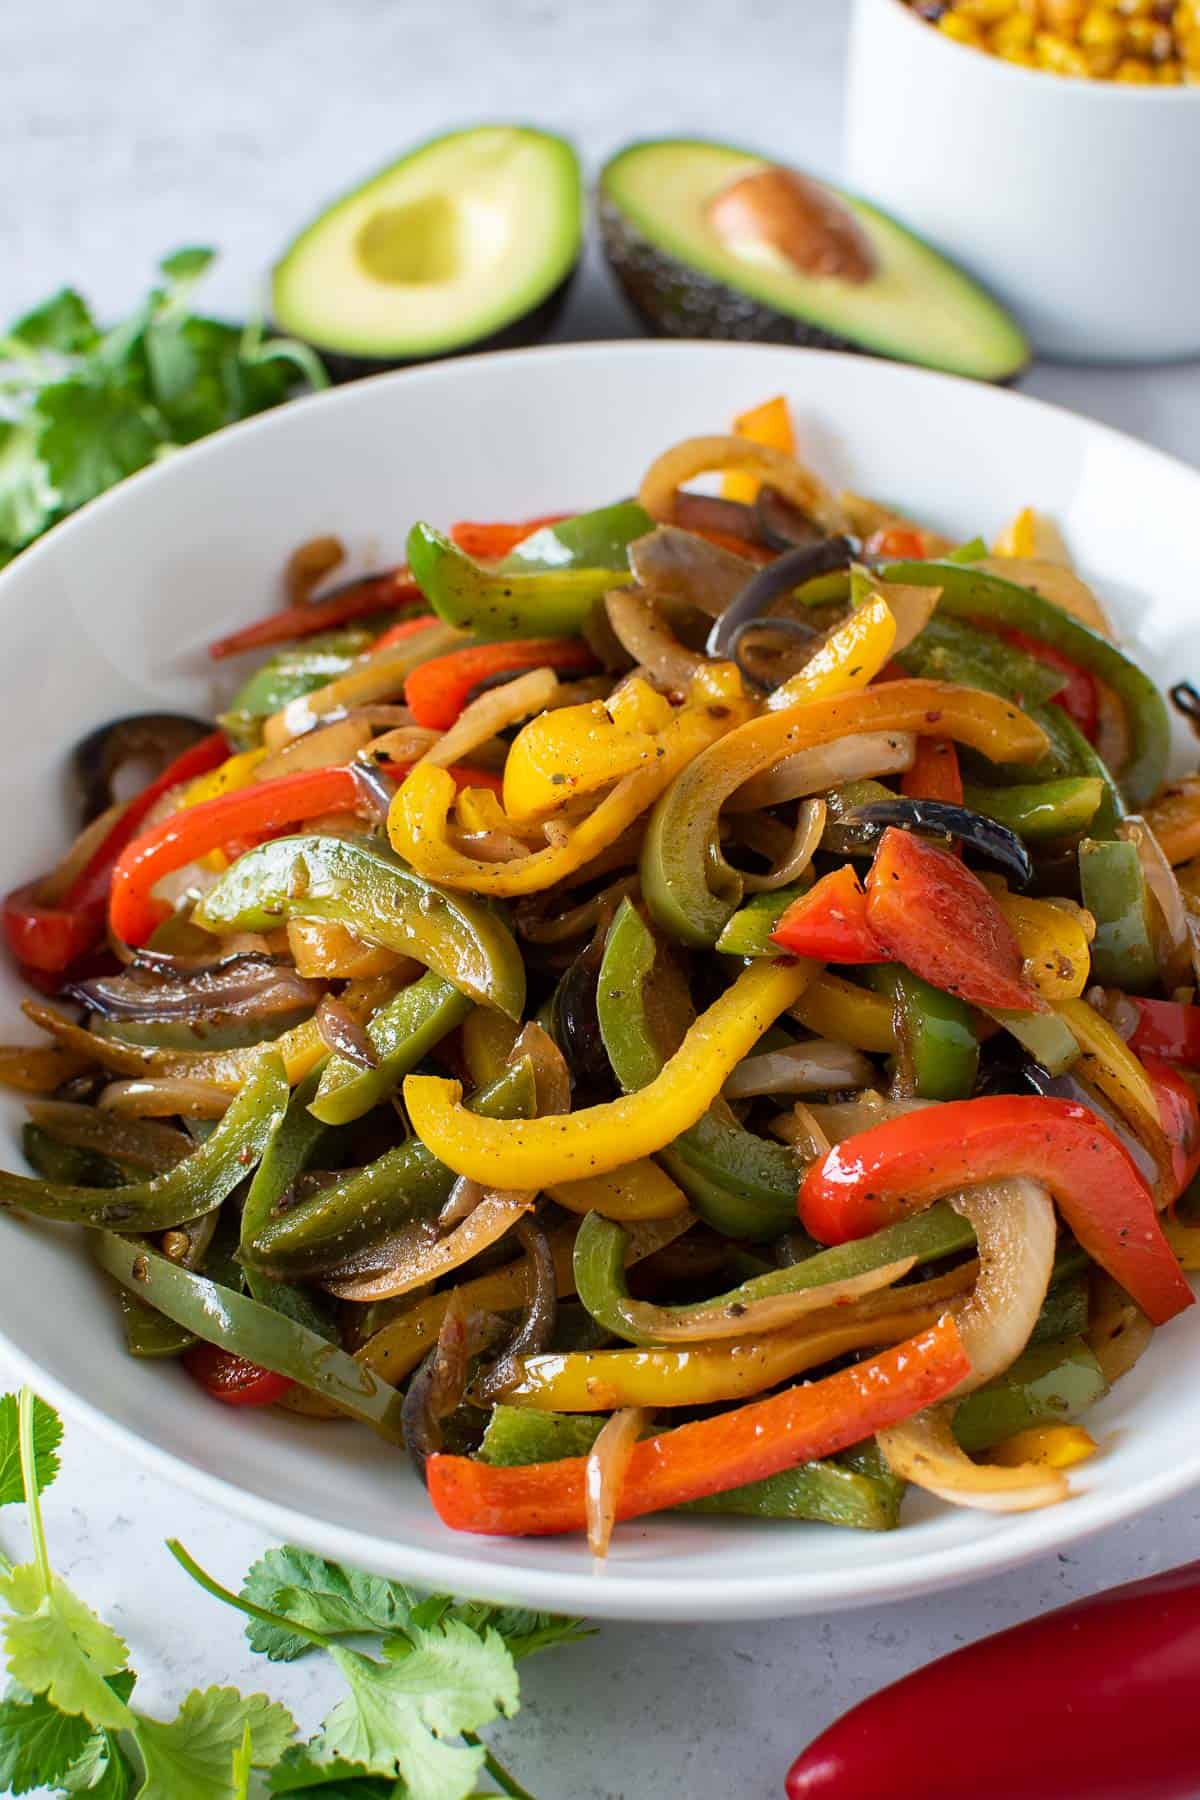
(1141, 42)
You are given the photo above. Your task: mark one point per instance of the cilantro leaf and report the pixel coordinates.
(47, 1436)
(320, 1595)
(524, 1632)
(102, 1770)
(27, 500)
(58, 1647)
(432, 1686)
(187, 264)
(243, 1765)
(298, 1773)
(93, 434)
(191, 1756)
(38, 1743)
(62, 323)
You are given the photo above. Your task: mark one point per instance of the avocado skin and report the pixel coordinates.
(518, 334)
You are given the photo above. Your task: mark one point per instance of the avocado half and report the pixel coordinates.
(468, 242)
(710, 241)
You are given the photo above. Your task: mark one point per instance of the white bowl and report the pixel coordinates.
(111, 613)
(1073, 201)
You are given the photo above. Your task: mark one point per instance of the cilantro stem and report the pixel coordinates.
(508, 1784)
(213, 1587)
(29, 1483)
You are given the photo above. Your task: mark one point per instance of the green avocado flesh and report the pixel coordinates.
(453, 244)
(686, 282)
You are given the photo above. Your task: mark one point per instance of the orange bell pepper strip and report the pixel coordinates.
(902, 1166)
(829, 923)
(770, 424)
(709, 1455)
(373, 594)
(1180, 1116)
(437, 691)
(491, 543)
(935, 773)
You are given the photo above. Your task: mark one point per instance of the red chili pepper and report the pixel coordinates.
(829, 923)
(902, 1166)
(373, 594)
(1180, 1116)
(406, 628)
(927, 910)
(707, 1456)
(1168, 1029)
(232, 1379)
(50, 938)
(1077, 696)
(437, 691)
(935, 773)
(490, 543)
(896, 543)
(1095, 1701)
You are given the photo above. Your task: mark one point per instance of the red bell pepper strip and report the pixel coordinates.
(1167, 1029)
(1097, 1700)
(829, 923)
(491, 543)
(902, 1166)
(709, 1455)
(50, 938)
(935, 773)
(405, 628)
(1077, 696)
(928, 911)
(373, 594)
(896, 543)
(437, 691)
(1179, 1114)
(232, 1379)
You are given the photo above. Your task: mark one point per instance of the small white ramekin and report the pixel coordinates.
(1076, 202)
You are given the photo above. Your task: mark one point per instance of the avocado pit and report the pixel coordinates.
(797, 218)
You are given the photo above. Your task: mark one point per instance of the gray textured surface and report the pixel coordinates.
(128, 129)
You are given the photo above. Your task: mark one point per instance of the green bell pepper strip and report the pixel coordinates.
(950, 649)
(1114, 892)
(243, 1326)
(198, 1184)
(174, 1034)
(739, 1183)
(1064, 1311)
(296, 1140)
(1048, 1038)
(1072, 755)
(401, 1034)
(970, 593)
(498, 604)
(400, 1187)
(378, 897)
(1049, 1383)
(599, 1265)
(936, 1029)
(58, 1162)
(591, 540)
(150, 1335)
(287, 676)
(1039, 809)
(748, 933)
(855, 1489)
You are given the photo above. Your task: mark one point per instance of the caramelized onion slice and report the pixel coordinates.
(667, 1325)
(608, 1459)
(924, 1450)
(867, 754)
(421, 1254)
(817, 1067)
(705, 455)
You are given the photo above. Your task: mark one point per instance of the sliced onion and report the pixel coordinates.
(344, 1034)
(559, 928)
(375, 790)
(1054, 582)
(438, 1387)
(911, 605)
(250, 988)
(779, 523)
(51, 888)
(800, 1129)
(309, 564)
(420, 1254)
(155, 1148)
(868, 754)
(465, 1196)
(682, 566)
(1173, 945)
(604, 1472)
(491, 713)
(643, 630)
(490, 846)
(238, 947)
(326, 746)
(810, 824)
(406, 742)
(537, 1323)
(813, 1068)
(704, 455)
(551, 1076)
(924, 1450)
(840, 1119)
(666, 1325)
(709, 512)
(166, 1096)
(1118, 1330)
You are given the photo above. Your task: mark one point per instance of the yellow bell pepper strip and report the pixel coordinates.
(377, 898)
(689, 887)
(533, 1153)
(1031, 533)
(1111, 1066)
(640, 1190)
(379, 675)
(327, 952)
(710, 1454)
(849, 659)
(502, 603)
(575, 750)
(235, 772)
(1174, 818)
(1053, 941)
(1045, 1447)
(769, 423)
(836, 1008)
(418, 823)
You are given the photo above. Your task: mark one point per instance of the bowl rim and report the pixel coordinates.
(1094, 89)
(643, 1590)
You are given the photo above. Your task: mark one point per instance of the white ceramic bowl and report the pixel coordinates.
(111, 613)
(1073, 201)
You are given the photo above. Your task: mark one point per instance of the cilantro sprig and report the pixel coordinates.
(81, 407)
(424, 1675)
